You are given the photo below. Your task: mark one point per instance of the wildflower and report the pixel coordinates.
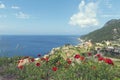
(54, 68)
(20, 67)
(98, 55)
(45, 59)
(38, 64)
(69, 61)
(23, 62)
(100, 58)
(77, 56)
(89, 54)
(32, 60)
(108, 61)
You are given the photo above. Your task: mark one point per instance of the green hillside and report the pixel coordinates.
(110, 31)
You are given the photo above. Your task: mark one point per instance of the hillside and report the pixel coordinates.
(110, 31)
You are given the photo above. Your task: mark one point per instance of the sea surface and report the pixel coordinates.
(32, 45)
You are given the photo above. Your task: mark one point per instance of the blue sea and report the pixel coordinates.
(32, 45)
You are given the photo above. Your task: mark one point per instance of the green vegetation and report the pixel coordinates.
(80, 65)
(110, 31)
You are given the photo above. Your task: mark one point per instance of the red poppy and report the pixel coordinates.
(69, 61)
(45, 59)
(77, 56)
(32, 60)
(54, 68)
(100, 58)
(98, 55)
(82, 58)
(89, 54)
(20, 67)
(38, 64)
(108, 61)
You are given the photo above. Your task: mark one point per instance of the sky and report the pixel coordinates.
(55, 17)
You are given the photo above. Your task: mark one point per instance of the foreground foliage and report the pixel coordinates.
(77, 67)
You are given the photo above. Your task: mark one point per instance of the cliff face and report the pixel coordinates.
(110, 31)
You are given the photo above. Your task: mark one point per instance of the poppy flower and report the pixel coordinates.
(54, 68)
(108, 61)
(89, 54)
(45, 59)
(77, 56)
(20, 67)
(69, 61)
(98, 55)
(100, 58)
(38, 64)
(32, 60)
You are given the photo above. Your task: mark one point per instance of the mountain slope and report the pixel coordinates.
(110, 31)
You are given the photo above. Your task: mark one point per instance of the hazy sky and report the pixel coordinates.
(58, 17)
